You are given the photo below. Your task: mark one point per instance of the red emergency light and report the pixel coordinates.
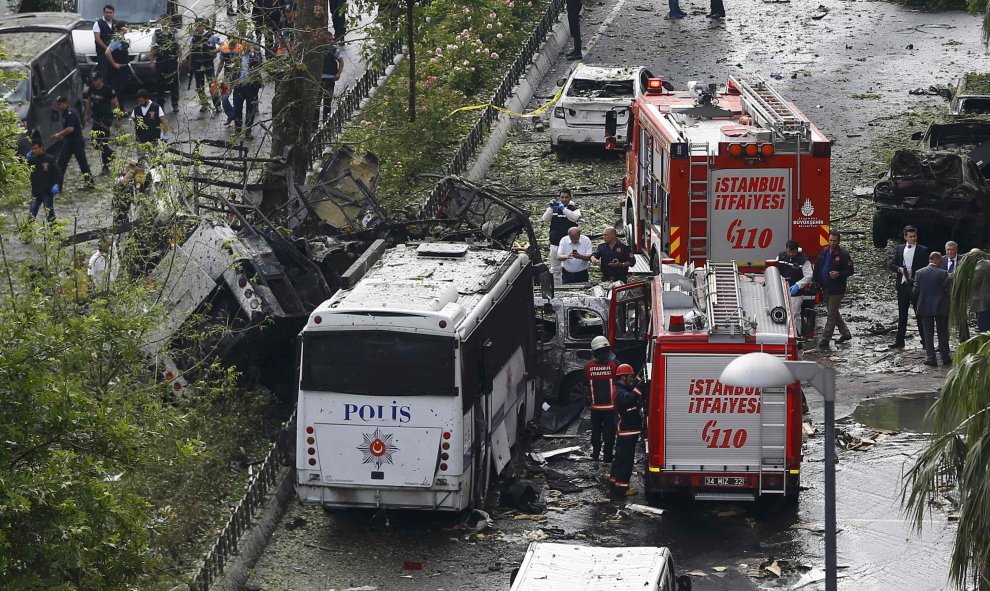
(751, 150)
(730, 87)
(676, 323)
(654, 86)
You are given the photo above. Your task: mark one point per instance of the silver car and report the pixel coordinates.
(589, 93)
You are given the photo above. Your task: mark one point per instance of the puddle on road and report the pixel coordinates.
(905, 412)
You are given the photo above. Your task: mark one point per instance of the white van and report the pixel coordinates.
(568, 567)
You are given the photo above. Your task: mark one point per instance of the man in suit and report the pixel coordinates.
(832, 268)
(950, 262)
(908, 259)
(931, 288)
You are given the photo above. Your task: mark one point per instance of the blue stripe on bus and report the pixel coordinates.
(499, 416)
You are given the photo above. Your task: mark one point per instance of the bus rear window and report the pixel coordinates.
(378, 363)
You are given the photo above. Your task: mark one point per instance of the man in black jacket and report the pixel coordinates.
(909, 258)
(832, 268)
(45, 179)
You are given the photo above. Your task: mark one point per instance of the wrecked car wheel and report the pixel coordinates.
(880, 230)
(574, 388)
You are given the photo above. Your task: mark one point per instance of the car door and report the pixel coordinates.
(629, 322)
(46, 120)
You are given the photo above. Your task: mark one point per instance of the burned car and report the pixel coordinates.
(944, 194)
(971, 96)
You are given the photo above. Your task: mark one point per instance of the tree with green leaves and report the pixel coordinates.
(959, 444)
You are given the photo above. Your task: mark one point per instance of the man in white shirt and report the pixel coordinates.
(908, 259)
(563, 214)
(574, 254)
(98, 265)
(102, 35)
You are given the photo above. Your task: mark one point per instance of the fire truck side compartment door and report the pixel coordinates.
(750, 213)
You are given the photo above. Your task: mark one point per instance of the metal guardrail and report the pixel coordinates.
(475, 138)
(263, 482)
(349, 102)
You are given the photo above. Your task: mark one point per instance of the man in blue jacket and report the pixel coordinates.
(832, 268)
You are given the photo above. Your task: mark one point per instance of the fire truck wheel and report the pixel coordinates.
(573, 388)
(880, 230)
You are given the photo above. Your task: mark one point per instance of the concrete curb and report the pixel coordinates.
(253, 543)
(524, 91)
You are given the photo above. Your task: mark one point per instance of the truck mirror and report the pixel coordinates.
(684, 583)
(611, 124)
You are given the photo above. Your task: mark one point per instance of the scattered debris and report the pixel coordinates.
(773, 568)
(645, 509)
(698, 573)
(524, 496)
(535, 535)
(412, 565)
(556, 418)
(477, 520)
(863, 191)
(720, 569)
(809, 429)
(542, 457)
(821, 13)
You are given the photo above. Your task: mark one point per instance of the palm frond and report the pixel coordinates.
(962, 283)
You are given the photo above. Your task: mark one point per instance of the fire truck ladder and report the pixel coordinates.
(769, 109)
(725, 315)
(773, 439)
(697, 246)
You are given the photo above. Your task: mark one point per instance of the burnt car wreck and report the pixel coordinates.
(941, 188)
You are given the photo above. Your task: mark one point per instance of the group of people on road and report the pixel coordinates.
(571, 252)
(241, 63)
(616, 416)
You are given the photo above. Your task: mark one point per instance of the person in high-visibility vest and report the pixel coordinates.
(629, 425)
(600, 373)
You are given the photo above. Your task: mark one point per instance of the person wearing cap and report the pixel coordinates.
(118, 56)
(74, 144)
(150, 125)
(600, 373)
(333, 67)
(102, 106)
(628, 426)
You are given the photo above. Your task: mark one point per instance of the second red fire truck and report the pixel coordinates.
(723, 174)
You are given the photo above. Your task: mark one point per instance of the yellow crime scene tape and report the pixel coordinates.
(535, 113)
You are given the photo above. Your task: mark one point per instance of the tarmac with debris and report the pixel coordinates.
(855, 86)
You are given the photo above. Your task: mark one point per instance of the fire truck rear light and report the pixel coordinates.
(676, 323)
(767, 149)
(735, 149)
(654, 469)
(317, 319)
(312, 461)
(169, 376)
(654, 86)
(311, 451)
(443, 324)
(752, 150)
(730, 87)
(446, 434)
(445, 456)
(177, 386)
(242, 281)
(669, 261)
(310, 440)
(443, 467)
(822, 149)
(309, 430)
(558, 112)
(445, 445)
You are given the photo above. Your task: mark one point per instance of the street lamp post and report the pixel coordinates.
(762, 370)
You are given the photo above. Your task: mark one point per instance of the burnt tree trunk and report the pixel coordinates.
(295, 101)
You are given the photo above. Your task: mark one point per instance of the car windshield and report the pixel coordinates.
(14, 90)
(131, 11)
(582, 87)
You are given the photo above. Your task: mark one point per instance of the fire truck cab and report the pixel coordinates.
(706, 439)
(723, 174)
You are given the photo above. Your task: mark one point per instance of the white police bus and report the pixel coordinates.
(416, 382)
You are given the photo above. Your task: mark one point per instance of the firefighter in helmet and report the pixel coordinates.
(600, 373)
(629, 424)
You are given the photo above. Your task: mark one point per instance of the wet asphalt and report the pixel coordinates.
(849, 65)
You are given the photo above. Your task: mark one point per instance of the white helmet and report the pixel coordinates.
(598, 343)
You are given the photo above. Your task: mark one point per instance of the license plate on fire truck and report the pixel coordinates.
(724, 481)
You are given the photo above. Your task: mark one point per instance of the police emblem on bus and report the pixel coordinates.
(377, 448)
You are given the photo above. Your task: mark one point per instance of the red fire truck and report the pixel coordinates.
(723, 174)
(713, 441)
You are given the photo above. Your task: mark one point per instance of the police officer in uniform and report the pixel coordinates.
(563, 214)
(165, 61)
(203, 49)
(45, 179)
(73, 142)
(101, 106)
(629, 424)
(600, 373)
(150, 125)
(333, 67)
(797, 270)
(118, 56)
